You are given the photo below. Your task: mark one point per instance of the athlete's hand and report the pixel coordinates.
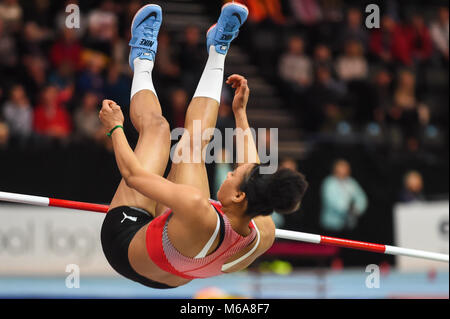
(111, 115)
(241, 94)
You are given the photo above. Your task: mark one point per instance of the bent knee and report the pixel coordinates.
(155, 123)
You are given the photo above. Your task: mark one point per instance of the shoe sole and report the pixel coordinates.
(227, 5)
(139, 11)
(235, 4)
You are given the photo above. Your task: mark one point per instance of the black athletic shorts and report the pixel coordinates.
(118, 229)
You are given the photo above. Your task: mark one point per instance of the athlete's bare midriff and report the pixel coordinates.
(143, 265)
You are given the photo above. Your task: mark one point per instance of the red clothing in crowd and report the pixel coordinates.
(66, 52)
(52, 123)
(394, 43)
(420, 42)
(259, 10)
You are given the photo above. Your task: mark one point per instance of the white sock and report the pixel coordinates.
(211, 82)
(142, 79)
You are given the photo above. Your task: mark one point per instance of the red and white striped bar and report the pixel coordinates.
(279, 233)
(347, 243)
(52, 202)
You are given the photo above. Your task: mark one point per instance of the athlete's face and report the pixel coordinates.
(229, 192)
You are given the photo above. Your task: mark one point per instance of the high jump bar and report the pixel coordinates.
(279, 233)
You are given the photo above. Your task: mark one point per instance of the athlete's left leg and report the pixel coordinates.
(153, 147)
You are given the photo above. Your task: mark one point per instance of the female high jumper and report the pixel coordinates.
(165, 232)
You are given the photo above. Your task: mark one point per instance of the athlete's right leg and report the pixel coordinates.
(205, 105)
(153, 147)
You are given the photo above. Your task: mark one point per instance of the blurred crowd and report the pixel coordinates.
(53, 78)
(336, 74)
(333, 72)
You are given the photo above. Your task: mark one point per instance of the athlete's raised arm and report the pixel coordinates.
(245, 144)
(180, 198)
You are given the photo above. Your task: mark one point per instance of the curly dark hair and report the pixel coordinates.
(282, 191)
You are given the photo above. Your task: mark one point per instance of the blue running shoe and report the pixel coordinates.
(226, 29)
(144, 33)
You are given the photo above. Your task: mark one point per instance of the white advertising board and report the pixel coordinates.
(422, 225)
(44, 240)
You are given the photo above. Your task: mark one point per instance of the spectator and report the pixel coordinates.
(92, 78)
(38, 11)
(332, 11)
(389, 44)
(343, 200)
(412, 188)
(405, 93)
(120, 48)
(34, 77)
(307, 12)
(86, 121)
(179, 104)
(34, 39)
(193, 58)
(352, 65)
(323, 102)
(295, 66)
(323, 57)
(63, 76)
(50, 117)
(418, 36)
(102, 25)
(117, 85)
(421, 48)
(440, 32)
(407, 112)
(167, 69)
(353, 30)
(66, 50)
(18, 113)
(8, 50)
(261, 10)
(11, 14)
(352, 69)
(381, 95)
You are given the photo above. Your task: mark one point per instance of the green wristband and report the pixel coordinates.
(114, 128)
